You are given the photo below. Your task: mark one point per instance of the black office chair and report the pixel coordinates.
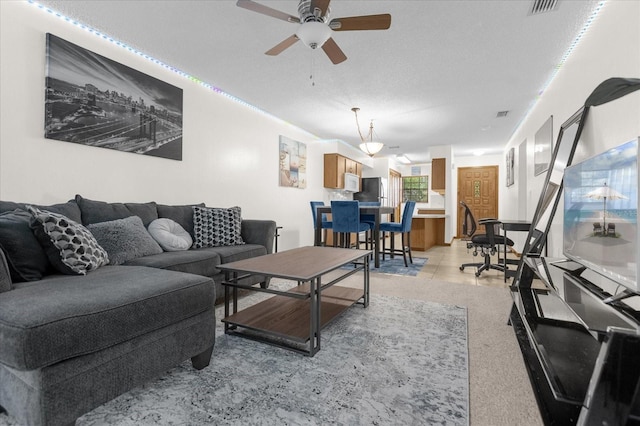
(469, 225)
(486, 243)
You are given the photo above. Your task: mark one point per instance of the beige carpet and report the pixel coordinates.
(500, 391)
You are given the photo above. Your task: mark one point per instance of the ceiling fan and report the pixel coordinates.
(315, 27)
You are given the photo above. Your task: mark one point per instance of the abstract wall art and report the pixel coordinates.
(293, 163)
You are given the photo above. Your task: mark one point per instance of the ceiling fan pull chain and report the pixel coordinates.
(313, 82)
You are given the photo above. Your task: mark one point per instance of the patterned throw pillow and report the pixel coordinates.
(70, 246)
(214, 227)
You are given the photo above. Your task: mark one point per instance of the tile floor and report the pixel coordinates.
(444, 264)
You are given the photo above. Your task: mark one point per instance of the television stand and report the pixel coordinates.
(580, 352)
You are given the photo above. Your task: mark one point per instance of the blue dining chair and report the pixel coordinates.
(404, 228)
(345, 216)
(326, 224)
(370, 219)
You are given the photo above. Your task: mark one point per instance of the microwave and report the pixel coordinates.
(351, 182)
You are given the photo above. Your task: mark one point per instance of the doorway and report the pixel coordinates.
(395, 192)
(478, 188)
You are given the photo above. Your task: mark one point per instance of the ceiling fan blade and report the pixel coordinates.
(333, 51)
(278, 48)
(354, 23)
(265, 10)
(322, 5)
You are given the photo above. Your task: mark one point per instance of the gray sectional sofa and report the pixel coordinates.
(70, 342)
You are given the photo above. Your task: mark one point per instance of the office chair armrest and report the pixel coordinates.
(489, 221)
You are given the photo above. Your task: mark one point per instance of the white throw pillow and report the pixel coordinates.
(170, 235)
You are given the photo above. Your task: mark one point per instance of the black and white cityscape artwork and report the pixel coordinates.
(95, 101)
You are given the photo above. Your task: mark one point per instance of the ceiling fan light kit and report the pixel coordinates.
(313, 34)
(314, 30)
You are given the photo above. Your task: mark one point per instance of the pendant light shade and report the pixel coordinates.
(368, 145)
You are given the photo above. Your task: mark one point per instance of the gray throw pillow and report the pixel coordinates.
(124, 239)
(214, 227)
(70, 247)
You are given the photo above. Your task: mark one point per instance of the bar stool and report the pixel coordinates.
(404, 228)
(345, 216)
(326, 224)
(371, 220)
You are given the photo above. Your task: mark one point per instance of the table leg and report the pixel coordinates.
(376, 240)
(317, 236)
(366, 281)
(226, 301)
(235, 293)
(314, 317)
(505, 255)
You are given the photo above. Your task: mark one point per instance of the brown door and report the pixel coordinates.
(478, 188)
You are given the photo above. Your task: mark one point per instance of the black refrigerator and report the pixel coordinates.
(372, 189)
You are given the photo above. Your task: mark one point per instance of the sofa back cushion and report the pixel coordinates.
(69, 209)
(5, 274)
(181, 214)
(101, 211)
(26, 259)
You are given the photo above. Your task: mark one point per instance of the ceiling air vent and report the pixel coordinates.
(542, 6)
(501, 114)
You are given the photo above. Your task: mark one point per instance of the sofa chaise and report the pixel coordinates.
(69, 340)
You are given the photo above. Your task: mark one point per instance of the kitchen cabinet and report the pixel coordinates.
(438, 180)
(427, 230)
(335, 166)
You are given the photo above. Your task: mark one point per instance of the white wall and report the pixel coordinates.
(230, 151)
(611, 48)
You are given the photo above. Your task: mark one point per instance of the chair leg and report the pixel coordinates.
(392, 252)
(409, 246)
(404, 252)
(384, 247)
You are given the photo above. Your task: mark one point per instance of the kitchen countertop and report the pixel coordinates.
(430, 216)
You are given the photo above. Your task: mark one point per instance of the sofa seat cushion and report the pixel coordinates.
(199, 262)
(85, 314)
(234, 253)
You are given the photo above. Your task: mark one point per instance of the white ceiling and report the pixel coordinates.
(438, 76)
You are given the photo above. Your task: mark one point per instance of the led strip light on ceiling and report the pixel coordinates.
(162, 64)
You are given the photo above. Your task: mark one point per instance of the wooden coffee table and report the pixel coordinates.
(293, 318)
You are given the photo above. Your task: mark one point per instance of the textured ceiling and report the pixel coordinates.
(438, 76)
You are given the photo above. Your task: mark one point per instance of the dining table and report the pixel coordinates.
(376, 211)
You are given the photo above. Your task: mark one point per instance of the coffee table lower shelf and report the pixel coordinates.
(289, 318)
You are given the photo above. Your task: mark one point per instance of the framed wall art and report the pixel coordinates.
(510, 167)
(543, 147)
(293, 163)
(94, 101)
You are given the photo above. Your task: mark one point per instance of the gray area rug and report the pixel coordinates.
(397, 362)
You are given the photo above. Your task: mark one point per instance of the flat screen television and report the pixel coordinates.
(600, 214)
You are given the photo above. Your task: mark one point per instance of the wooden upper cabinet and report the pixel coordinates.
(438, 180)
(335, 166)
